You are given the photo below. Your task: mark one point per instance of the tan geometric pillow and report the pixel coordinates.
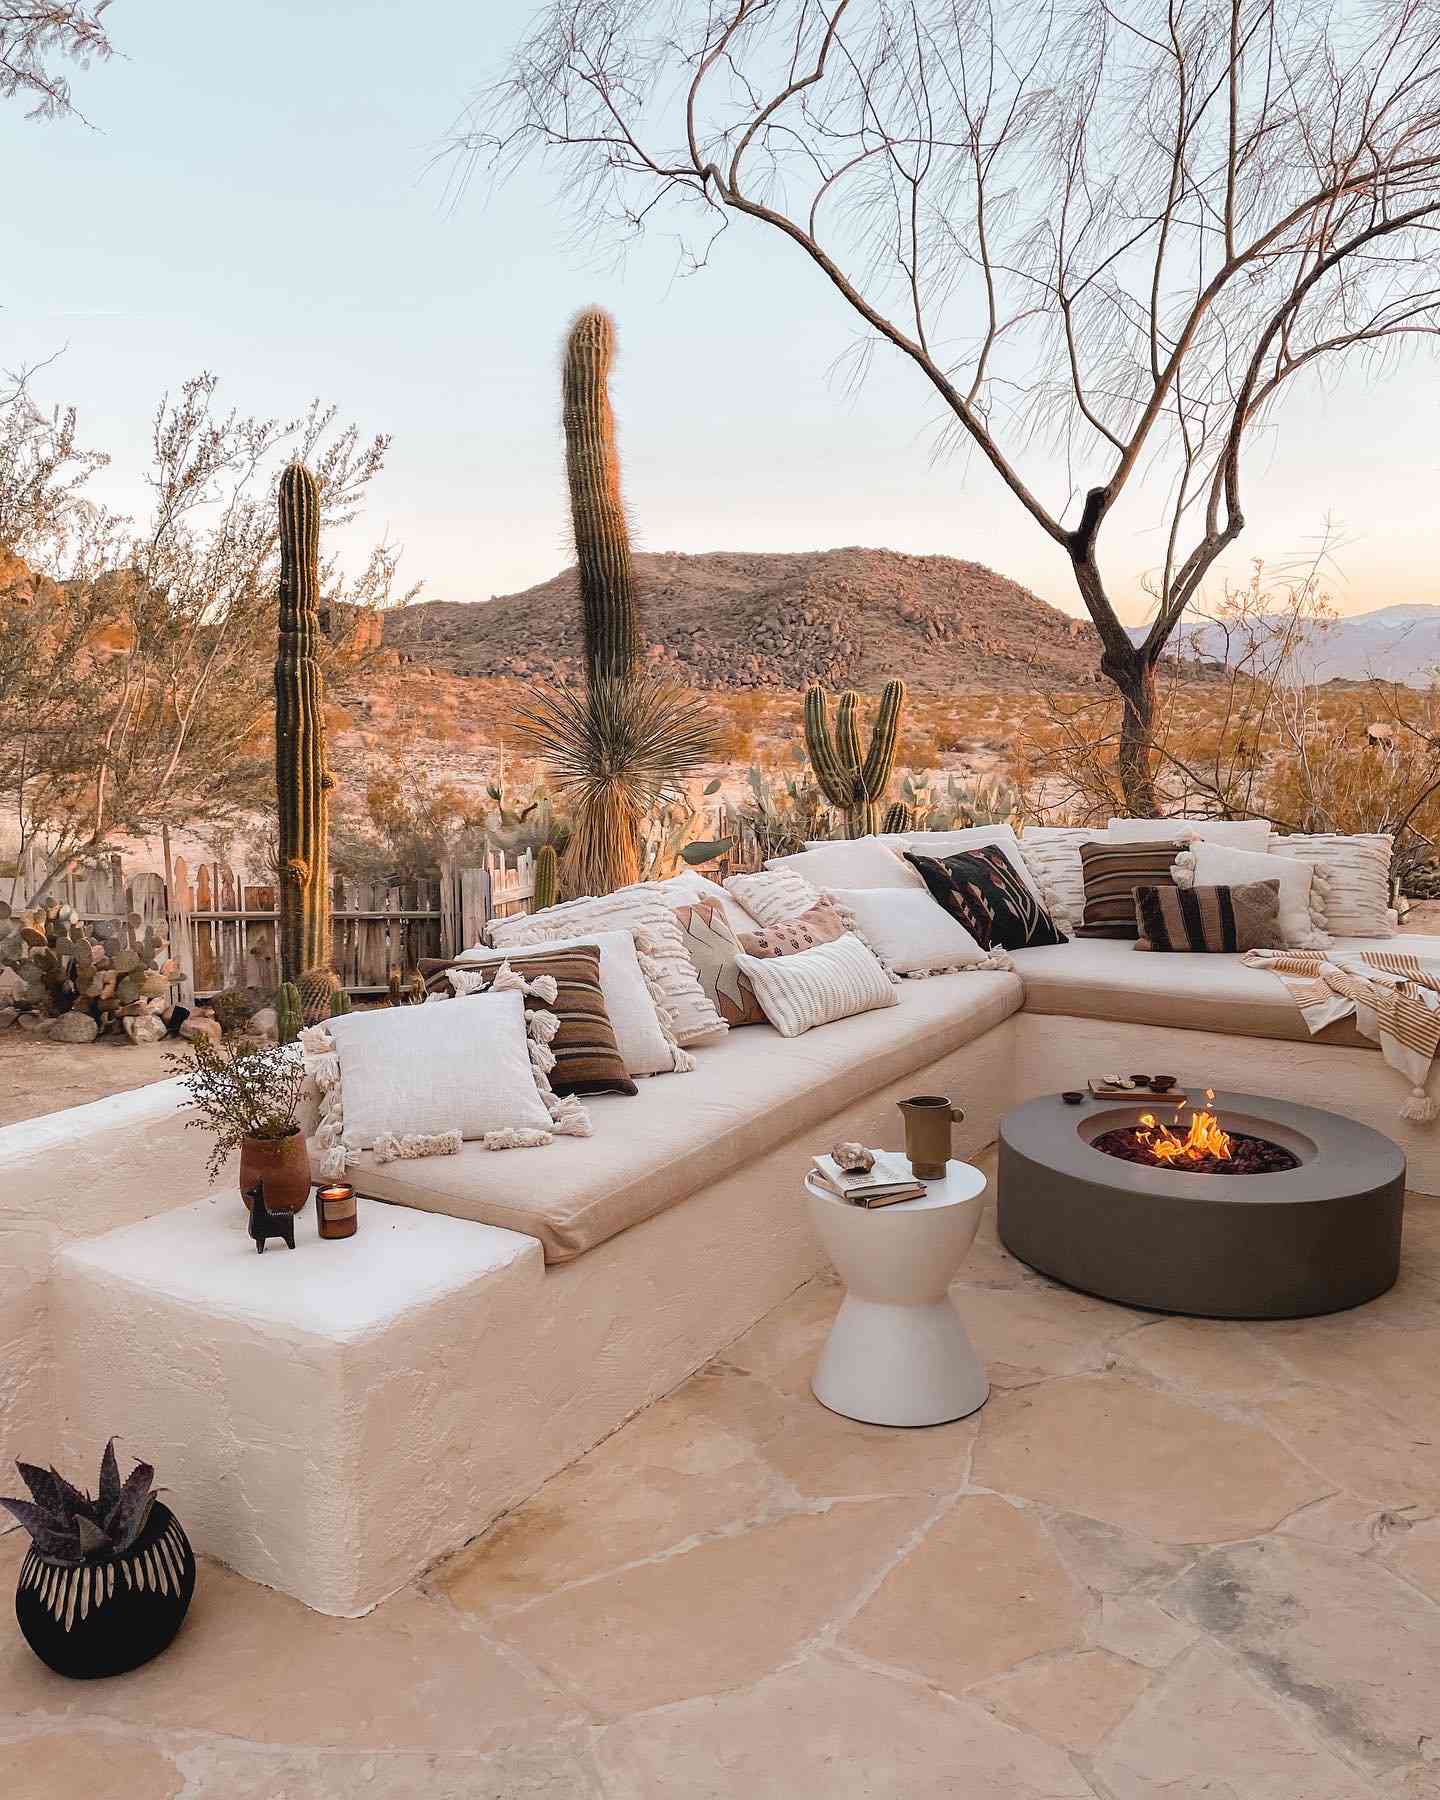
(713, 947)
(821, 925)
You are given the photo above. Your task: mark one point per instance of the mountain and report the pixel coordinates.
(770, 620)
(1394, 643)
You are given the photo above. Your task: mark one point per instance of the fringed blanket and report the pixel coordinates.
(1393, 998)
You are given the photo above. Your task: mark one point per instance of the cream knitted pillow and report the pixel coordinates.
(775, 896)
(814, 987)
(1357, 897)
(672, 978)
(1052, 855)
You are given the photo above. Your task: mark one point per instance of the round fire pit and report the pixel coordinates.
(1280, 1244)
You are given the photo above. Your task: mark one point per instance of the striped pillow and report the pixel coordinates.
(1223, 920)
(814, 987)
(1112, 872)
(587, 1054)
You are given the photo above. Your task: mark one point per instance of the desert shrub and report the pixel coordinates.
(233, 1009)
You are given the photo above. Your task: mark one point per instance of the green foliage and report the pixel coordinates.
(602, 537)
(547, 878)
(302, 780)
(289, 1013)
(898, 817)
(704, 850)
(957, 805)
(340, 1003)
(850, 779)
(62, 968)
(241, 1089)
(67, 1526)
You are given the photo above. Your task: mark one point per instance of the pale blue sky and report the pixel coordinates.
(256, 199)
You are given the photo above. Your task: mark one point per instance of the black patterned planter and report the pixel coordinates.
(114, 1612)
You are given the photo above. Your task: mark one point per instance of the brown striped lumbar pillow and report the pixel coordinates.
(587, 1055)
(1217, 919)
(1112, 872)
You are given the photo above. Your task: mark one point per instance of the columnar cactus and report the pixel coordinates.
(592, 464)
(547, 878)
(898, 817)
(289, 1013)
(302, 780)
(854, 783)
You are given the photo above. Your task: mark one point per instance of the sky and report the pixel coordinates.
(257, 195)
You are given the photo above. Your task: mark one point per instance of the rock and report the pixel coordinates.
(144, 1028)
(195, 1028)
(854, 1158)
(8, 1016)
(265, 1023)
(33, 1021)
(73, 1028)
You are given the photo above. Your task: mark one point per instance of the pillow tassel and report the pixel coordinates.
(1420, 1107)
(411, 1145)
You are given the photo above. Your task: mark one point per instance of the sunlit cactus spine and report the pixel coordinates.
(898, 818)
(302, 779)
(850, 780)
(547, 878)
(592, 466)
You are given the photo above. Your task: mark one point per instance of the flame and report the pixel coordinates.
(1204, 1138)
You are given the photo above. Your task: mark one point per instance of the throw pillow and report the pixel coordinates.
(813, 987)
(587, 1054)
(458, 1066)
(1052, 856)
(990, 897)
(821, 925)
(1236, 834)
(713, 948)
(1302, 888)
(1112, 872)
(1215, 919)
(689, 886)
(1357, 894)
(646, 1044)
(773, 897)
(909, 933)
(673, 979)
(848, 863)
(941, 844)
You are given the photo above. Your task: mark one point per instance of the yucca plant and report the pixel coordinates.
(67, 1526)
(614, 749)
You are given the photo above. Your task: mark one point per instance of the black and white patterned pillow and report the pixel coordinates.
(988, 895)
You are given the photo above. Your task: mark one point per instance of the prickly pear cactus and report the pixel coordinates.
(61, 967)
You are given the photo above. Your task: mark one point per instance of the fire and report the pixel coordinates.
(1203, 1140)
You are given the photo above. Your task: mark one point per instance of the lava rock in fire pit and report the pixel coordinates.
(1248, 1155)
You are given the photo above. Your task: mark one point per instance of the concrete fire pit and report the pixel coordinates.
(1283, 1245)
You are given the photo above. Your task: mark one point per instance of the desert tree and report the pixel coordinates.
(1108, 234)
(135, 654)
(37, 39)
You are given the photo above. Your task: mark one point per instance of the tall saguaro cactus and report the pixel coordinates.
(852, 781)
(592, 465)
(302, 779)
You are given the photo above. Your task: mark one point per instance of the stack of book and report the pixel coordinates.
(890, 1180)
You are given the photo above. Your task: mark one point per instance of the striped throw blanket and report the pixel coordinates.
(1393, 998)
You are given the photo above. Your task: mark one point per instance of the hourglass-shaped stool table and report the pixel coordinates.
(898, 1352)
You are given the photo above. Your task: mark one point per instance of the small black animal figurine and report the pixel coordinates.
(266, 1224)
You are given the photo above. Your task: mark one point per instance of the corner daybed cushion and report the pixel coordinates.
(748, 1094)
(1108, 979)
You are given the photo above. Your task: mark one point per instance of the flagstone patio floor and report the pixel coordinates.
(1170, 1560)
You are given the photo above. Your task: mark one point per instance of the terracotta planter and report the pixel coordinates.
(283, 1164)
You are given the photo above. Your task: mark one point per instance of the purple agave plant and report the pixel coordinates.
(67, 1526)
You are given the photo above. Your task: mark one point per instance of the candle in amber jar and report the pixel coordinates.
(335, 1206)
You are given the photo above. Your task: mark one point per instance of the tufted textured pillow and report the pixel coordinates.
(672, 978)
(815, 987)
(1357, 895)
(774, 896)
(1301, 921)
(1052, 855)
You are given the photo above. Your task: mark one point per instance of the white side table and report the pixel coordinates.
(898, 1352)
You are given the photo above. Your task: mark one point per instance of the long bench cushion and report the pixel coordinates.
(748, 1094)
(1095, 978)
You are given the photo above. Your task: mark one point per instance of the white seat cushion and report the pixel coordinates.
(749, 1094)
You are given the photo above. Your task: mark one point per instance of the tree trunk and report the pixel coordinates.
(1135, 677)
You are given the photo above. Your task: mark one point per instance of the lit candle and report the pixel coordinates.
(335, 1209)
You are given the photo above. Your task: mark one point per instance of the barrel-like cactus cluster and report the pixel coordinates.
(850, 779)
(302, 778)
(62, 966)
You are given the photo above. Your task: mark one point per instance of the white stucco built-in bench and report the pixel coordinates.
(330, 1420)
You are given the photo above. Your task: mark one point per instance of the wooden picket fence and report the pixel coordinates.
(221, 919)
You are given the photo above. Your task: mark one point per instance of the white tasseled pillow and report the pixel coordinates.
(1303, 887)
(849, 863)
(774, 896)
(815, 987)
(1357, 899)
(911, 933)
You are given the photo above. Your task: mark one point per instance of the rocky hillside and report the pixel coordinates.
(732, 619)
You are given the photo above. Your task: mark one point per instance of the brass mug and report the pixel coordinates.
(928, 1122)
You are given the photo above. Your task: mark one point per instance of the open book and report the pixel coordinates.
(890, 1180)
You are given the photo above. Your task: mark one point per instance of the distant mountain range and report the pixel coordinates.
(1395, 643)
